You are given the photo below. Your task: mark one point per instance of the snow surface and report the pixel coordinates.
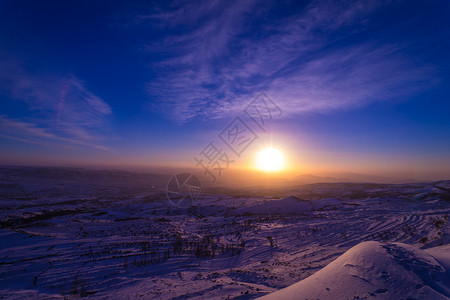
(69, 233)
(385, 271)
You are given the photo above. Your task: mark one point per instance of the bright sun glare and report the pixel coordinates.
(270, 160)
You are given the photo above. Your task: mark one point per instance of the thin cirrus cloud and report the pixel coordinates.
(304, 61)
(61, 111)
(33, 133)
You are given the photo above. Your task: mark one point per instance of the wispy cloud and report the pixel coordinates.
(32, 133)
(61, 110)
(308, 61)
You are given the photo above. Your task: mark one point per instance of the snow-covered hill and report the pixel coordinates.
(113, 235)
(287, 205)
(381, 270)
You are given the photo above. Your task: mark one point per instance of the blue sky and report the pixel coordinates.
(363, 85)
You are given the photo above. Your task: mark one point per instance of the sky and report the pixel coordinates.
(345, 86)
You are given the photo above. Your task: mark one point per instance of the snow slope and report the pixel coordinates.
(384, 270)
(69, 233)
(290, 204)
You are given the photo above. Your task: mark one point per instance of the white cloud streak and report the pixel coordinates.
(61, 111)
(301, 61)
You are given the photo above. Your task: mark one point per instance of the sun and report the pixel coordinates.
(270, 160)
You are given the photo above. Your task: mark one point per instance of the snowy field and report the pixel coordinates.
(69, 233)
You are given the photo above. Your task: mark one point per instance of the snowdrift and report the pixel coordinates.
(373, 269)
